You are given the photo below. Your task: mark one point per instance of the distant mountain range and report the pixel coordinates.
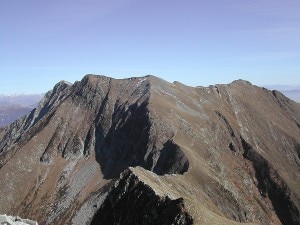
(13, 107)
(292, 92)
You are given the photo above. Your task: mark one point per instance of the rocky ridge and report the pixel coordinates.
(223, 154)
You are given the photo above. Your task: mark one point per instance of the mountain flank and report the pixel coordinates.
(146, 151)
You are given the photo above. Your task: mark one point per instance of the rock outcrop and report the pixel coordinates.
(132, 200)
(15, 220)
(108, 151)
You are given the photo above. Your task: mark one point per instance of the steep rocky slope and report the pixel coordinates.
(223, 154)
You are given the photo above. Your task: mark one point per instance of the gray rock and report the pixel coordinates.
(11, 220)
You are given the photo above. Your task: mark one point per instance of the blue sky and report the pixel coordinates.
(195, 42)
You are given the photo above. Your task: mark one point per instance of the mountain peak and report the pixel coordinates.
(62, 85)
(183, 150)
(242, 82)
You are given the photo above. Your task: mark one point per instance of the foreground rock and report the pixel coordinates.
(107, 151)
(134, 199)
(11, 220)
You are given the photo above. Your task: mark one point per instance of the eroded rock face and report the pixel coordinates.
(222, 154)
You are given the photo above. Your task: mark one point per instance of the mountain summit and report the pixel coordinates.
(145, 151)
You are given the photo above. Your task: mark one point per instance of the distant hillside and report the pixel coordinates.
(292, 92)
(13, 107)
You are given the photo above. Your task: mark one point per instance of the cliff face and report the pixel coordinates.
(224, 154)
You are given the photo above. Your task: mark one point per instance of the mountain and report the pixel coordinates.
(145, 151)
(292, 92)
(13, 107)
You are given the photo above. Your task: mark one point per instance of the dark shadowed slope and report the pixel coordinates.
(223, 154)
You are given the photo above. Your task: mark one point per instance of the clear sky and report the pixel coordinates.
(197, 42)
